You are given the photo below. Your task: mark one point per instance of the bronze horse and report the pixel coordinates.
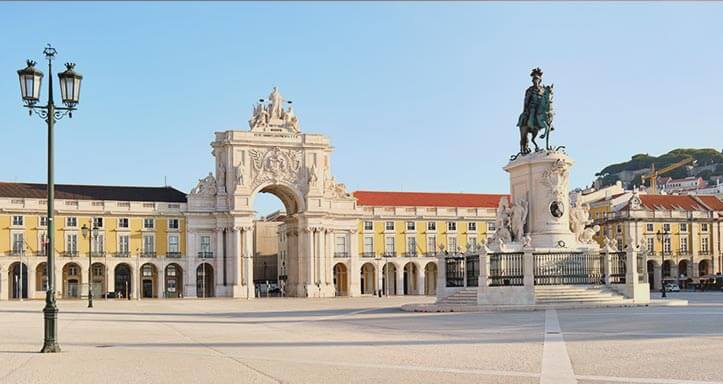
(532, 122)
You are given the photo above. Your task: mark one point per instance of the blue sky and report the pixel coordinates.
(414, 96)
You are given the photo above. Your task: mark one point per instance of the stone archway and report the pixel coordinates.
(123, 280)
(274, 157)
(173, 281)
(149, 281)
(72, 281)
(204, 281)
(341, 279)
(430, 277)
(411, 276)
(368, 281)
(18, 280)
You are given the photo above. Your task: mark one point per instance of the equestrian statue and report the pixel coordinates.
(537, 114)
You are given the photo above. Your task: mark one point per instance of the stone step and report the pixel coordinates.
(574, 300)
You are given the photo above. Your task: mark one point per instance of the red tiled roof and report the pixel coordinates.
(713, 202)
(427, 199)
(93, 192)
(671, 202)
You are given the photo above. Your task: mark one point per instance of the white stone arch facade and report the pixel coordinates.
(273, 157)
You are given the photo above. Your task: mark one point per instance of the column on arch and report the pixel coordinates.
(218, 261)
(400, 280)
(248, 266)
(421, 288)
(354, 265)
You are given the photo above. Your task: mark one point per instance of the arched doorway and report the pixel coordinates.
(41, 277)
(123, 282)
(411, 274)
(389, 279)
(174, 281)
(72, 280)
(430, 279)
(704, 268)
(666, 269)
(683, 273)
(341, 281)
(149, 279)
(651, 273)
(204, 280)
(368, 282)
(99, 280)
(18, 280)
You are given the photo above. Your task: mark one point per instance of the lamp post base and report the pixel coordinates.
(50, 347)
(50, 313)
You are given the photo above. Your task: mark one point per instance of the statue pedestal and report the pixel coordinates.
(541, 178)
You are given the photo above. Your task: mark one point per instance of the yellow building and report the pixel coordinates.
(139, 244)
(682, 234)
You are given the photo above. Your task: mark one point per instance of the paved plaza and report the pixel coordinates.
(361, 340)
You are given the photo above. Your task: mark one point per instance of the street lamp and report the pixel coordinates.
(30, 81)
(94, 236)
(661, 236)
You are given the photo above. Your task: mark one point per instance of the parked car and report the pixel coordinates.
(672, 288)
(109, 295)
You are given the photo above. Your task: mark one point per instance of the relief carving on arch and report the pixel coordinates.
(276, 166)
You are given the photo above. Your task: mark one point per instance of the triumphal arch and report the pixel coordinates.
(273, 156)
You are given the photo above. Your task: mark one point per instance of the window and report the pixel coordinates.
(123, 222)
(431, 244)
(618, 228)
(368, 246)
(148, 223)
(173, 244)
(411, 226)
(412, 245)
(472, 227)
(71, 243)
(171, 270)
(340, 245)
(491, 227)
(147, 270)
(18, 242)
(97, 271)
(148, 243)
(43, 221)
(651, 244)
(683, 227)
(98, 244)
(451, 226)
(472, 242)
(684, 245)
(431, 225)
(704, 244)
(666, 227)
(452, 242)
(98, 222)
(206, 244)
(123, 244)
(172, 223)
(389, 226)
(43, 246)
(17, 220)
(666, 244)
(620, 244)
(368, 226)
(73, 271)
(649, 227)
(389, 244)
(71, 221)
(704, 227)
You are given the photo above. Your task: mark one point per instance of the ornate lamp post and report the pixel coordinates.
(30, 81)
(661, 236)
(94, 236)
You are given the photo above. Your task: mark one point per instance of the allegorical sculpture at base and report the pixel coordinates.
(537, 114)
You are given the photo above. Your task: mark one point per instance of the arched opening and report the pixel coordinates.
(98, 283)
(72, 280)
(389, 279)
(123, 282)
(666, 268)
(149, 279)
(41, 277)
(174, 281)
(683, 273)
(18, 280)
(341, 281)
(411, 274)
(704, 268)
(275, 242)
(204, 280)
(651, 273)
(430, 279)
(368, 282)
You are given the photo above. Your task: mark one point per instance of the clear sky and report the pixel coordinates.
(414, 96)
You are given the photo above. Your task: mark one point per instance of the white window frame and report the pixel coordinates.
(472, 239)
(451, 226)
(201, 244)
(704, 227)
(369, 227)
(18, 221)
(152, 243)
(491, 227)
(150, 220)
(649, 227)
(412, 240)
(651, 244)
(171, 243)
(683, 227)
(124, 243)
(389, 244)
(74, 242)
(71, 222)
(472, 226)
(340, 244)
(666, 227)
(178, 224)
(388, 224)
(127, 223)
(368, 249)
(684, 244)
(411, 226)
(704, 244)
(98, 220)
(432, 226)
(452, 244)
(14, 242)
(432, 240)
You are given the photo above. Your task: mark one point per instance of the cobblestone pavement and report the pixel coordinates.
(360, 340)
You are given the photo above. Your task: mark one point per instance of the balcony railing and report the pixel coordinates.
(409, 254)
(16, 253)
(341, 254)
(121, 254)
(205, 255)
(389, 254)
(704, 252)
(367, 254)
(174, 255)
(430, 254)
(40, 254)
(69, 254)
(96, 254)
(148, 254)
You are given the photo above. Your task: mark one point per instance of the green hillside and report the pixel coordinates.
(708, 165)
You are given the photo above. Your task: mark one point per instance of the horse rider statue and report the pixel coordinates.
(537, 113)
